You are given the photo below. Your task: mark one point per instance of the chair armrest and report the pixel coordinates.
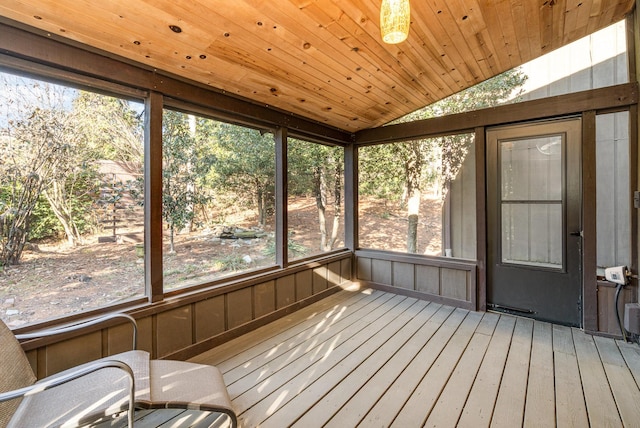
(60, 380)
(59, 330)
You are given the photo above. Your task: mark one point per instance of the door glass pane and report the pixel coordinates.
(532, 234)
(531, 169)
(531, 187)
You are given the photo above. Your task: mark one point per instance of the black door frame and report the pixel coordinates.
(573, 279)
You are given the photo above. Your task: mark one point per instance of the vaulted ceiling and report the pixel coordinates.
(324, 59)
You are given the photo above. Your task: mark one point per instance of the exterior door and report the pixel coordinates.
(534, 233)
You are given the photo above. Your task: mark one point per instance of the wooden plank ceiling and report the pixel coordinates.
(324, 59)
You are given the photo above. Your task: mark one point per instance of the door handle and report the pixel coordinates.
(576, 233)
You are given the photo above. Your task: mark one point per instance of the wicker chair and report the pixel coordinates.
(104, 387)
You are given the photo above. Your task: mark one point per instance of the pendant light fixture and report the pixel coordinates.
(394, 20)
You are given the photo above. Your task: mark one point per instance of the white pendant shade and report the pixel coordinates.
(394, 20)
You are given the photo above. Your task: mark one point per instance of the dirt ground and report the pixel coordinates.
(54, 279)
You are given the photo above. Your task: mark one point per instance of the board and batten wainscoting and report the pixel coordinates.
(442, 280)
(191, 323)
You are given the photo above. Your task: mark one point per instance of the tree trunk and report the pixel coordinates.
(319, 188)
(63, 215)
(172, 249)
(191, 186)
(14, 224)
(413, 214)
(413, 170)
(16, 237)
(337, 194)
(262, 215)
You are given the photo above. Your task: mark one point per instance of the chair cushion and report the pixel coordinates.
(16, 372)
(179, 384)
(101, 393)
(159, 384)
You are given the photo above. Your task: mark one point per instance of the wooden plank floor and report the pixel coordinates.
(165, 418)
(374, 359)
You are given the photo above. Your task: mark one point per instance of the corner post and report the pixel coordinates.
(282, 190)
(153, 197)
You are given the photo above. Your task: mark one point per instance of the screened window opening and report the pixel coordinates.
(218, 202)
(316, 198)
(419, 197)
(613, 191)
(71, 198)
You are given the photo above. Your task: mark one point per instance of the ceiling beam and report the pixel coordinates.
(613, 97)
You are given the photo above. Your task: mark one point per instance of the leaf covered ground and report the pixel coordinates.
(54, 280)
